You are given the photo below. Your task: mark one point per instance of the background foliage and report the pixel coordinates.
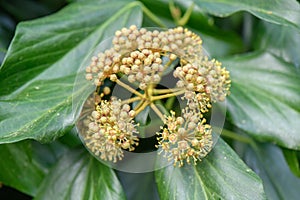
(258, 42)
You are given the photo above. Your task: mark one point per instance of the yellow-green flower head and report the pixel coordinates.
(143, 58)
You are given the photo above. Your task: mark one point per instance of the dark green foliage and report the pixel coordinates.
(257, 41)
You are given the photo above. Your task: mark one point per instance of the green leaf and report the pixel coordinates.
(293, 160)
(80, 176)
(228, 42)
(136, 185)
(268, 161)
(19, 169)
(265, 98)
(38, 74)
(221, 175)
(280, 40)
(278, 12)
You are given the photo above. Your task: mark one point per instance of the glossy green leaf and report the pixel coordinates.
(292, 158)
(265, 98)
(227, 41)
(80, 176)
(279, 11)
(22, 168)
(221, 175)
(38, 74)
(268, 161)
(136, 185)
(280, 40)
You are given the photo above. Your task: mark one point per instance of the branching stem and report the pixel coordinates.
(130, 89)
(157, 111)
(154, 98)
(164, 91)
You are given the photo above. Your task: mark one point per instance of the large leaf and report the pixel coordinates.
(20, 168)
(268, 161)
(265, 98)
(38, 74)
(279, 11)
(221, 175)
(280, 40)
(136, 185)
(80, 176)
(227, 41)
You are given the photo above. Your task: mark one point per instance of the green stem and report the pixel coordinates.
(157, 111)
(131, 100)
(164, 91)
(153, 17)
(170, 102)
(141, 108)
(186, 16)
(130, 89)
(154, 98)
(238, 137)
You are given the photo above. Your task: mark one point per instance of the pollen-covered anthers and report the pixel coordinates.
(186, 138)
(206, 77)
(102, 66)
(143, 67)
(199, 102)
(111, 129)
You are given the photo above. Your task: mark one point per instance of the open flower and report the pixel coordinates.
(186, 137)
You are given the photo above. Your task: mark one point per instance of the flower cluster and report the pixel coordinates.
(186, 137)
(208, 79)
(181, 42)
(110, 129)
(143, 67)
(144, 57)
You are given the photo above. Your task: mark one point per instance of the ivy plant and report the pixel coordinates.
(255, 157)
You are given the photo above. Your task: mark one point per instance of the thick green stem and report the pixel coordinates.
(186, 16)
(153, 17)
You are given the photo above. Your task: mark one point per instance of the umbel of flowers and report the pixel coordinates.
(143, 57)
